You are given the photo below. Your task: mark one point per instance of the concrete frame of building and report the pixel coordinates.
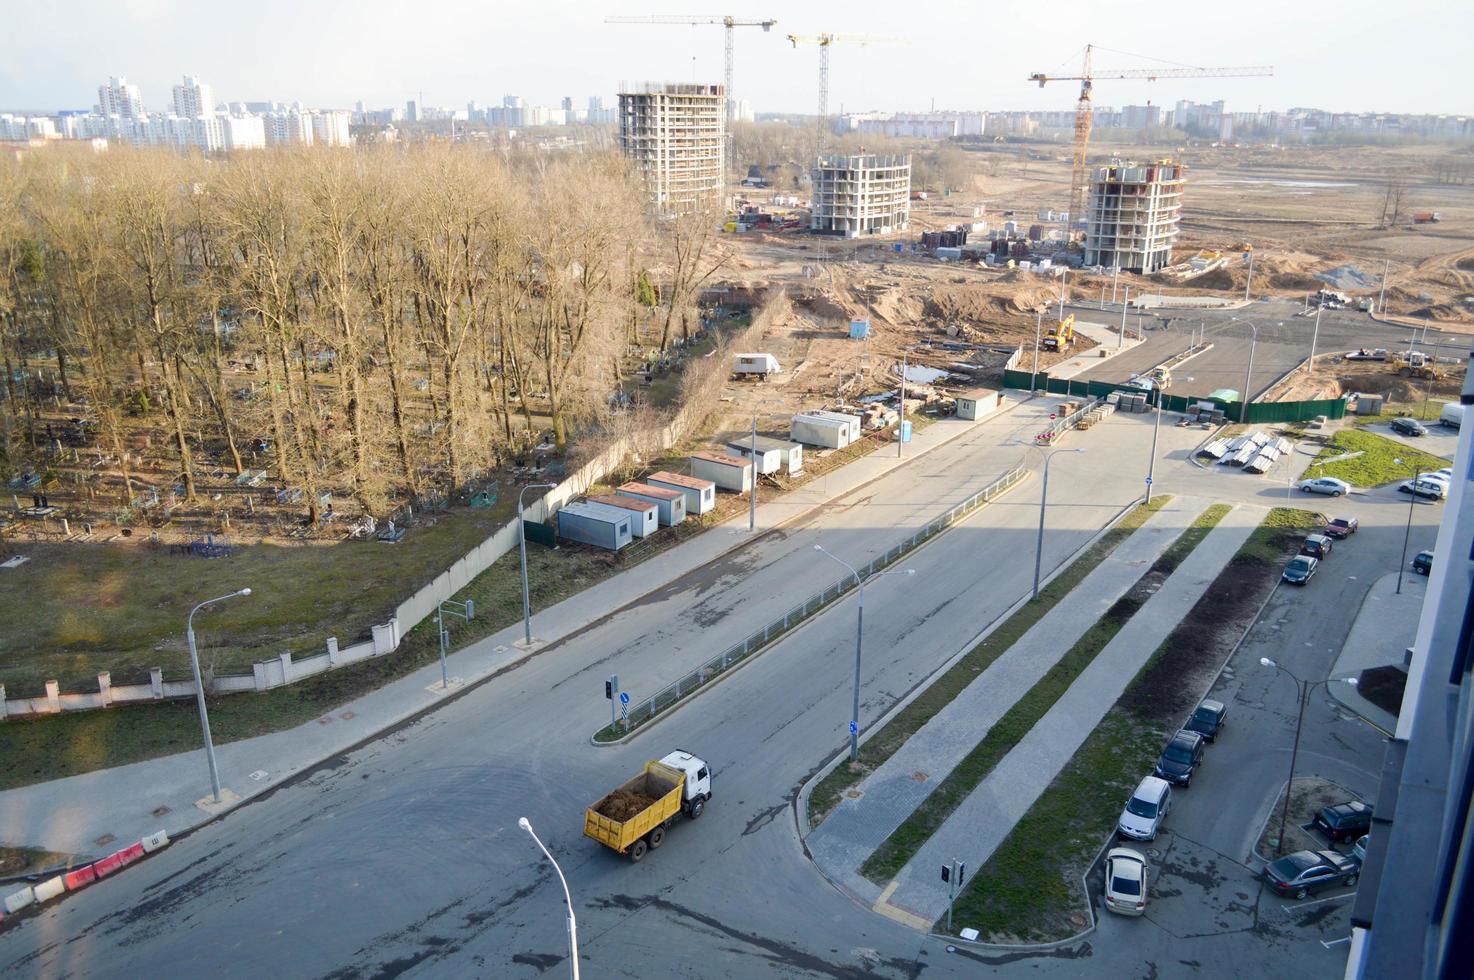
(676, 136)
(863, 194)
(1132, 215)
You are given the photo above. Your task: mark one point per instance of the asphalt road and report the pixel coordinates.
(405, 856)
(1284, 340)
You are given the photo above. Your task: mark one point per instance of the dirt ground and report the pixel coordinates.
(1335, 376)
(1311, 795)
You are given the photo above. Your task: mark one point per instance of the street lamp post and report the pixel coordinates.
(1248, 374)
(1064, 275)
(1125, 302)
(1412, 498)
(1043, 499)
(859, 641)
(199, 687)
(1315, 335)
(1038, 326)
(1302, 692)
(522, 545)
(526, 825)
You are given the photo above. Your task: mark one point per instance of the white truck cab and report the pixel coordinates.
(698, 781)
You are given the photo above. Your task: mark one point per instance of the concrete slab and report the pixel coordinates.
(1385, 626)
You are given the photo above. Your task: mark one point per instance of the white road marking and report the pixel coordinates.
(1320, 901)
(1335, 942)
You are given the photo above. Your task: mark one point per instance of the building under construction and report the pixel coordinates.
(1132, 215)
(675, 134)
(865, 194)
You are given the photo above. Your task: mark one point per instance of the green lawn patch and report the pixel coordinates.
(902, 845)
(1031, 886)
(881, 745)
(28, 860)
(1375, 465)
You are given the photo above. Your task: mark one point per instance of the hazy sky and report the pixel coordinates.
(1409, 56)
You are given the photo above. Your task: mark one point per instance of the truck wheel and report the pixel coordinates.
(697, 806)
(657, 837)
(637, 851)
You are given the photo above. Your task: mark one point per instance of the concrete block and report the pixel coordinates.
(16, 901)
(49, 889)
(155, 841)
(258, 671)
(105, 688)
(333, 650)
(384, 638)
(156, 681)
(53, 696)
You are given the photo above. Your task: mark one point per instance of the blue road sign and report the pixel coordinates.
(1148, 481)
(624, 697)
(854, 728)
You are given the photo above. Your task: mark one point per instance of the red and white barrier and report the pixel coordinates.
(83, 876)
(16, 901)
(49, 889)
(155, 842)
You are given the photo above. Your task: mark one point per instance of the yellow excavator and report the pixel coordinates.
(1061, 335)
(1414, 364)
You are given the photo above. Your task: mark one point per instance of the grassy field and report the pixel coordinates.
(1375, 466)
(902, 845)
(883, 744)
(1029, 890)
(75, 609)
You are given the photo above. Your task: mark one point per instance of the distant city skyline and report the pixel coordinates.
(958, 56)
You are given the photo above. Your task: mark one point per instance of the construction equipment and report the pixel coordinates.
(728, 22)
(824, 41)
(1083, 111)
(1414, 364)
(1061, 335)
(633, 818)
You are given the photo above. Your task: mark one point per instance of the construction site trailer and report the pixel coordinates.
(853, 421)
(811, 430)
(596, 524)
(976, 404)
(761, 365)
(774, 455)
(645, 516)
(670, 504)
(727, 472)
(701, 495)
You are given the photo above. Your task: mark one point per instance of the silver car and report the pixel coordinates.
(1328, 485)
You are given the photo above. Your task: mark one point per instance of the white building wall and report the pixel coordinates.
(331, 128)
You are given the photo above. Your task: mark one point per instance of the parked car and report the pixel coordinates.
(1409, 427)
(1446, 474)
(1423, 563)
(1181, 757)
(1316, 546)
(1126, 879)
(1299, 570)
(1359, 849)
(1304, 872)
(1424, 487)
(1327, 485)
(1341, 528)
(1344, 821)
(1146, 809)
(1208, 719)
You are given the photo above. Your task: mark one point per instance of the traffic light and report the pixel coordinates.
(947, 872)
(609, 690)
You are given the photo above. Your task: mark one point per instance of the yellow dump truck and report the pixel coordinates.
(1061, 335)
(633, 818)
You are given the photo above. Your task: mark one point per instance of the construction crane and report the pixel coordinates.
(727, 21)
(824, 41)
(1083, 112)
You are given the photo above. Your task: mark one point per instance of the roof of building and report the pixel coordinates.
(596, 511)
(763, 443)
(723, 458)
(646, 490)
(628, 503)
(681, 480)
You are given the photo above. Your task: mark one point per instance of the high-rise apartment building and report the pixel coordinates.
(863, 194)
(1132, 215)
(116, 97)
(193, 99)
(676, 134)
(331, 129)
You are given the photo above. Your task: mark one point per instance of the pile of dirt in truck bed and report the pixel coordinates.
(622, 804)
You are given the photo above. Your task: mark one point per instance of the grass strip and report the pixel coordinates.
(1019, 720)
(1375, 465)
(1030, 888)
(884, 743)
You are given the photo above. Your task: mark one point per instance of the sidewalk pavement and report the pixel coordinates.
(975, 830)
(1385, 626)
(1106, 339)
(83, 814)
(896, 788)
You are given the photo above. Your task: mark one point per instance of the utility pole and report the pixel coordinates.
(1125, 302)
(1115, 279)
(1314, 336)
(1034, 378)
(752, 497)
(901, 416)
(1151, 463)
(1249, 281)
(1062, 277)
(1382, 295)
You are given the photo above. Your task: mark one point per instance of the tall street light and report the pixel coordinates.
(1302, 690)
(1248, 373)
(526, 825)
(859, 639)
(1043, 499)
(1038, 326)
(1125, 302)
(1151, 463)
(1310, 365)
(1064, 275)
(199, 687)
(1412, 498)
(522, 544)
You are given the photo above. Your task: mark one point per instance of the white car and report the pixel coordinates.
(1424, 487)
(1147, 808)
(1327, 485)
(1126, 878)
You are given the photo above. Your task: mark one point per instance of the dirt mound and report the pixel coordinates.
(1219, 278)
(1294, 280)
(622, 804)
(1349, 278)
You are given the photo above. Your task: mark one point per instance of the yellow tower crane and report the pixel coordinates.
(1083, 108)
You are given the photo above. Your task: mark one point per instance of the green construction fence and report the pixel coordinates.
(1303, 411)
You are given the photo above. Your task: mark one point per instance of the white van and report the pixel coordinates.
(1147, 808)
(1452, 415)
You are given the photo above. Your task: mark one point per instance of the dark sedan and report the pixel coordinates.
(1344, 821)
(1207, 719)
(1341, 528)
(1304, 872)
(1181, 758)
(1299, 570)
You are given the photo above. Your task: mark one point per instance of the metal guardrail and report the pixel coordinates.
(669, 696)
